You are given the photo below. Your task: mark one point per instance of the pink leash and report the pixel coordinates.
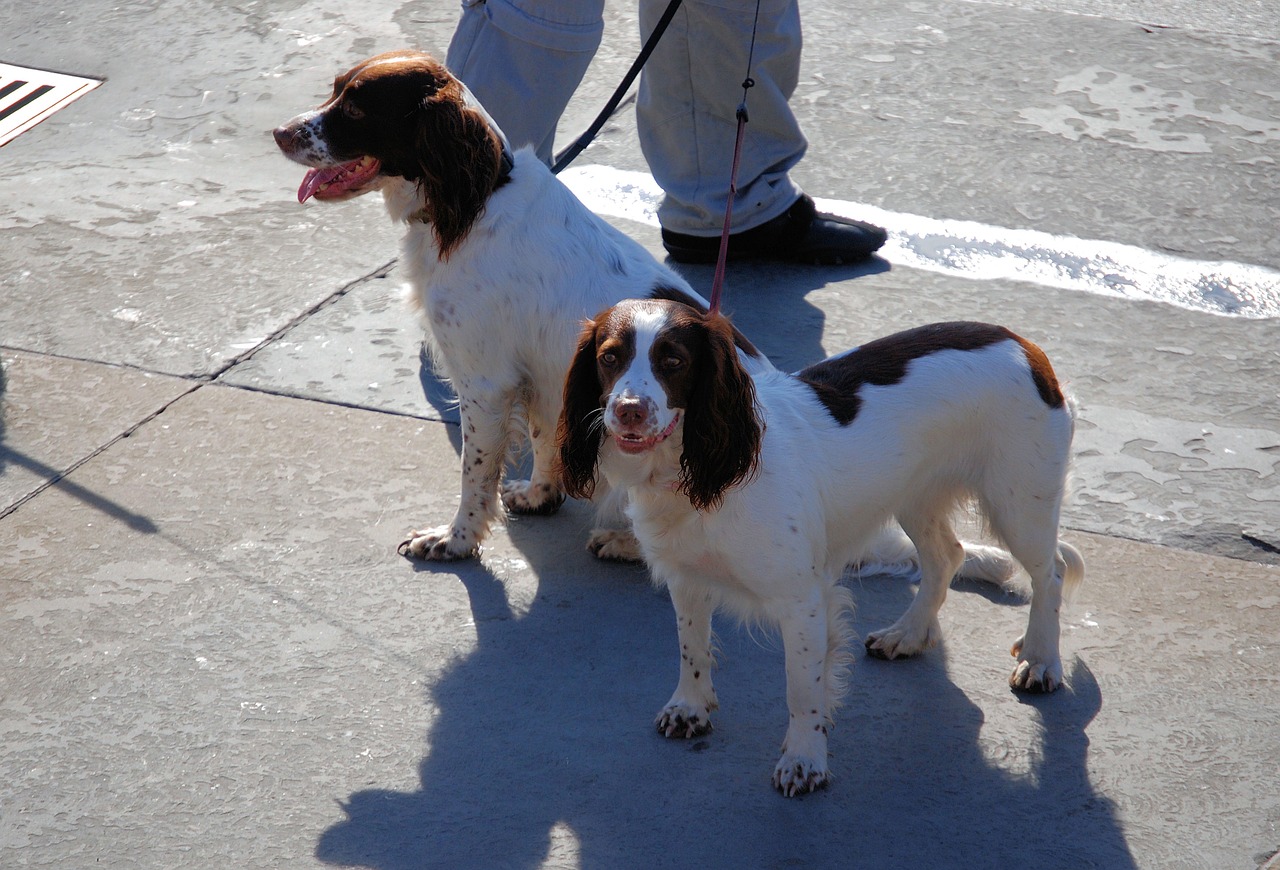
(717, 282)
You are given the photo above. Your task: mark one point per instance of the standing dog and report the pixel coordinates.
(754, 492)
(503, 259)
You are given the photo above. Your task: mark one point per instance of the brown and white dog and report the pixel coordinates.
(754, 491)
(505, 262)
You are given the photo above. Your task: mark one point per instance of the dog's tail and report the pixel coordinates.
(994, 565)
(1072, 570)
(892, 552)
(988, 565)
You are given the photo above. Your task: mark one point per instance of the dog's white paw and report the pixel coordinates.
(683, 720)
(523, 497)
(901, 640)
(614, 545)
(441, 544)
(1032, 675)
(798, 774)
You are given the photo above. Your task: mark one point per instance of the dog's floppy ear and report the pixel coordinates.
(459, 159)
(722, 430)
(581, 428)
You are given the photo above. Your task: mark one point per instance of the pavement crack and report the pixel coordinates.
(302, 317)
(58, 478)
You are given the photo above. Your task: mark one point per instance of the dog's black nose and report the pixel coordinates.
(630, 412)
(285, 137)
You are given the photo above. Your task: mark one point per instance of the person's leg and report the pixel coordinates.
(523, 59)
(687, 117)
(689, 95)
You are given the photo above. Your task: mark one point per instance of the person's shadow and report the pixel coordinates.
(42, 475)
(543, 741)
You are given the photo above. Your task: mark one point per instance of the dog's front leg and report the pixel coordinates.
(612, 539)
(484, 442)
(803, 765)
(688, 713)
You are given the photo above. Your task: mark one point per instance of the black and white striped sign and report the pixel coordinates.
(28, 96)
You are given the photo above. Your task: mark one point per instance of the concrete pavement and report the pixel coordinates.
(217, 426)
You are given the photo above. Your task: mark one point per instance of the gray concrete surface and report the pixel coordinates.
(215, 425)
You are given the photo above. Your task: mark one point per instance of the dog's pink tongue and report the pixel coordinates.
(316, 178)
(332, 182)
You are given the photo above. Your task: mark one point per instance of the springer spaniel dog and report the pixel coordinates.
(504, 261)
(754, 491)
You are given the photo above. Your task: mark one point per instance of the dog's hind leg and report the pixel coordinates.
(1039, 667)
(1053, 574)
(1027, 523)
(941, 556)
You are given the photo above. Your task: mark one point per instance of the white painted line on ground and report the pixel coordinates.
(980, 251)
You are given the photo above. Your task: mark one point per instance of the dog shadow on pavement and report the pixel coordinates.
(543, 750)
(543, 753)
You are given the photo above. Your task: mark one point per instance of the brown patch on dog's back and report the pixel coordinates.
(1042, 373)
(838, 381)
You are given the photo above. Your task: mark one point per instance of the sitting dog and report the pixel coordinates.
(504, 261)
(753, 492)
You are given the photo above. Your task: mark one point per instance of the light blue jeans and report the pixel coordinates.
(523, 59)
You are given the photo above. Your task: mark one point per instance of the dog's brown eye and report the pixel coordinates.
(608, 359)
(672, 363)
(352, 111)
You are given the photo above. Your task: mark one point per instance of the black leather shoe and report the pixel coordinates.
(798, 235)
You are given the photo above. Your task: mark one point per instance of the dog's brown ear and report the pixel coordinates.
(581, 426)
(722, 431)
(459, 158)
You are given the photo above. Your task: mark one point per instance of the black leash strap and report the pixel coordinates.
(565, 157)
